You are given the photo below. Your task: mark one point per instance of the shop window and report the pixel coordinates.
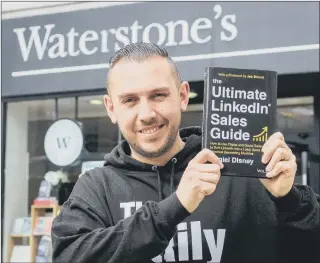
(295, 118)
(193, 116)
(295, 115)
(66, 108)
(26, 160)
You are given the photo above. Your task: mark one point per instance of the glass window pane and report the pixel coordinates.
(101, 135)
(26, 124)
(66, 108)
(192, 117)
(26, 161)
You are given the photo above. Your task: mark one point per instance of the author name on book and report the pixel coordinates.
(236, 160)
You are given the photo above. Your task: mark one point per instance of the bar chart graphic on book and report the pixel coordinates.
(262, 136)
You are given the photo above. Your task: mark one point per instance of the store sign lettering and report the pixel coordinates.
(54, 45)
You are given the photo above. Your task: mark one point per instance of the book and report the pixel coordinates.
(239, 116)
(21, 226)
(44, 251)
(43, 225)
(44, 189)
(45, 201)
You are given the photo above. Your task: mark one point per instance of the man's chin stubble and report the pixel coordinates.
(149, 154)
(169, 144)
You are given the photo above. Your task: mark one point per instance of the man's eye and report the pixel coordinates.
(160, 95)
(128, 101)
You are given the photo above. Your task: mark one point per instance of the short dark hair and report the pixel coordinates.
(140, 52)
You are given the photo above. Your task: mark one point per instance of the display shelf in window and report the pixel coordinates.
(41, 230)
(19, 239)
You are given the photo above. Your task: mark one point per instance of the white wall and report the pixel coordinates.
(16, 169)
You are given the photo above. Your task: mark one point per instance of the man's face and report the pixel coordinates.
(146, 101)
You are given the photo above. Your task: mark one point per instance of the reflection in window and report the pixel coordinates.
(101, 135)
(34, 119)
(296, 117)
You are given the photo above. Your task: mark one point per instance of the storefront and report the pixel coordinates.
(54, 67)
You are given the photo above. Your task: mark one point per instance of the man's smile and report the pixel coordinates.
(151, 129)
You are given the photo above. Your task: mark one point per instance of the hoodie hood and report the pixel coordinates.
(120, 156)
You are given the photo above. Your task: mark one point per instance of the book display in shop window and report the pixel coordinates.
(30, 238)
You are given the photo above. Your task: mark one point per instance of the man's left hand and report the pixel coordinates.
(281, 168)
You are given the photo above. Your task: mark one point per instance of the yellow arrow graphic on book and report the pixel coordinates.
(262, 136)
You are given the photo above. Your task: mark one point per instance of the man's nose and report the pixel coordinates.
(146, 111)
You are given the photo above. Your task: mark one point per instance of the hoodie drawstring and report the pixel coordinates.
(174, 160)
(175, 237)
(155, 168)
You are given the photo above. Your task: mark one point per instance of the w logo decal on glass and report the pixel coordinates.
(262, 136)
(63, 142)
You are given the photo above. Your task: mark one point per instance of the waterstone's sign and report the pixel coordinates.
(70, 51)
(45, 42)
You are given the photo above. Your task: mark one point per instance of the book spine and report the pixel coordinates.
(205, 109)
(273, 87)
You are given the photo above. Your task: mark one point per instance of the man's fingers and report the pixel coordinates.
(281, 154)
(209, 177)
(207, 188)
(206, 156)
(274, 137)
(270, 147)
(277, 135)
(281, 167)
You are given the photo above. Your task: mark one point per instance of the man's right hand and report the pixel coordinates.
(199, 179)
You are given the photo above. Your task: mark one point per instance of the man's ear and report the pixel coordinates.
(184, 95)
(110, 108)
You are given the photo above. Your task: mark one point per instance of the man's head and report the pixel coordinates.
(146, 98)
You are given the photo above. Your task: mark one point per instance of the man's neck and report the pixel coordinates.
(163, 159)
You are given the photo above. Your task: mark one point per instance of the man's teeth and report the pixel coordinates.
(149, 131)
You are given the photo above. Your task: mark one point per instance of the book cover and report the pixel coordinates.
(45, 201)
(21, 226)
(44, 251)
(43, 225)
(239, 115)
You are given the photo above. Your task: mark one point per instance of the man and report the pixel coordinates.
(160, 198)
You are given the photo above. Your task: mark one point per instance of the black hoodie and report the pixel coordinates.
(127, 211)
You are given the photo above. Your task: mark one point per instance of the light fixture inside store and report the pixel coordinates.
(192, 95)
(96, 102)
(303, 111)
